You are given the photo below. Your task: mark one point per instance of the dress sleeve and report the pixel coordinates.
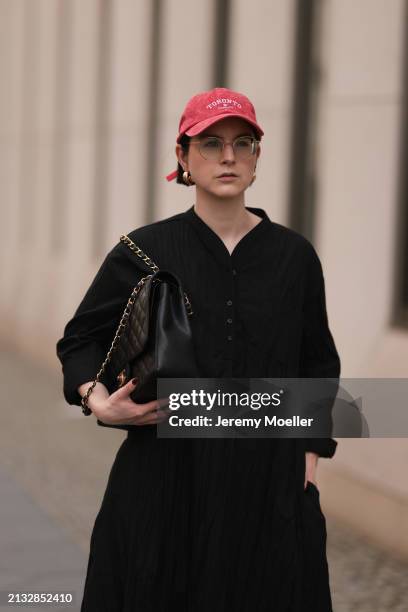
(88, 335)
(319, 357)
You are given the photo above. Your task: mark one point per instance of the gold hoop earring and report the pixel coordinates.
(253, 179)
(187, 178)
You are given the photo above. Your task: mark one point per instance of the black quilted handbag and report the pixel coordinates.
(153, 339)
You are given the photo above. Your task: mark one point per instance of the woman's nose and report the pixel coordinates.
(228, 151)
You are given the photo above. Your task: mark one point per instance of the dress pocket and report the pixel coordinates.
(312, 492)
(312, 485)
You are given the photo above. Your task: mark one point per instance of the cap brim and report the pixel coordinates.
(202, 125)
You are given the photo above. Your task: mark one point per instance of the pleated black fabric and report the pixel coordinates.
(212, 524)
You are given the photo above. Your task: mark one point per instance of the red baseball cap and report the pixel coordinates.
(208, 107)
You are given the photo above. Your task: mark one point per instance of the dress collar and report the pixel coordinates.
(217, 246)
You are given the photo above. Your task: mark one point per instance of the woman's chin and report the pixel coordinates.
(227, 190)
(222, 190)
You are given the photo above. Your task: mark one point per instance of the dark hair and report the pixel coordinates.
(184, 141)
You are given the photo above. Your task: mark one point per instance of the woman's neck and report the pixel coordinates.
(227, 217)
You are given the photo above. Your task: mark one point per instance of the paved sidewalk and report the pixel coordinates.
(53, 471)
(37, 555)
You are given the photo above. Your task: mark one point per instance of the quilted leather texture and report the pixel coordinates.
(157, 339)
(134, 337)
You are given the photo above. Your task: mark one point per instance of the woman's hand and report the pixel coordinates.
(119, 409)
(311, 466)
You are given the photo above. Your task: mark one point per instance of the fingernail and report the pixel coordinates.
(135, 381)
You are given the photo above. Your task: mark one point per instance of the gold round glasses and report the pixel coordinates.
(212, 147)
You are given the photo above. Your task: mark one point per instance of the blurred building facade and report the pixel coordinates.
(91, 93)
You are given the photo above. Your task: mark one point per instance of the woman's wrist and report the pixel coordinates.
(98, 394)
(311, 460)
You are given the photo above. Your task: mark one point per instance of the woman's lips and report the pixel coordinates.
(226, 179)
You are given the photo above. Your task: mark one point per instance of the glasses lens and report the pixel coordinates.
(211, 148)
(243, 147)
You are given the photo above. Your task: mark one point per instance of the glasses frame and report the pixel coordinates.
(254, 143)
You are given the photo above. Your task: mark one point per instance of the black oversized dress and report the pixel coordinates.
(203, 525)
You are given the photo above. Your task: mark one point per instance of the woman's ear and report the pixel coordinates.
(181, 155)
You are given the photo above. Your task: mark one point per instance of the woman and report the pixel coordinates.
(211, 524)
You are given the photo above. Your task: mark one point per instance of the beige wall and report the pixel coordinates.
(358, 144)
(263, 66)
(185, 70)
(55, 138)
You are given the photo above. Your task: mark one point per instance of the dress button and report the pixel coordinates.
(229, 320)
(234, 272)
(229, 303)
(229, 337)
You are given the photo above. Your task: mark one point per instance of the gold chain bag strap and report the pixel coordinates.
(124, 321)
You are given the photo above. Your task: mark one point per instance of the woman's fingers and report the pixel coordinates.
(143, 408)
(149, 420)
(157, 412)
(138, 414)
(124, 391)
